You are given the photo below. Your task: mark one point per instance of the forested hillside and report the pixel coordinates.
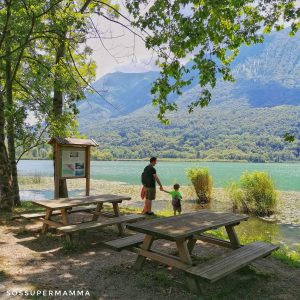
(245, 120)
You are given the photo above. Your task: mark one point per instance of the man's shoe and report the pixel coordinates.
(150, 213)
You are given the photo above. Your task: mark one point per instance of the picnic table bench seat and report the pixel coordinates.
(126, 242)
(30, 216)
(68, 229)
(232, 261)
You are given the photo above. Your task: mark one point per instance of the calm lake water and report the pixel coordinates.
(285, 175)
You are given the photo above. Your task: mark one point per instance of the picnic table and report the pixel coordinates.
(185, 230)
(64, 206)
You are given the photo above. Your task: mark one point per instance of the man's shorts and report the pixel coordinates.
(150, 193)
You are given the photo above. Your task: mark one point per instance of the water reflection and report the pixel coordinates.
(252, 230)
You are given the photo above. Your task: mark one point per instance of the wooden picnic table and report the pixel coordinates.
(65, 204)
(184, 229)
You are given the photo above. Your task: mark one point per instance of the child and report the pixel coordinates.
(176, 198)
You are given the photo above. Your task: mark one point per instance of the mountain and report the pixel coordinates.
(121, 93)
(245, 120)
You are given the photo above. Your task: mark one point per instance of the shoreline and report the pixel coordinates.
(78, 182)
(181, 160)
(288, 211)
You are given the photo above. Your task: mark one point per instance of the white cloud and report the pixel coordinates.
(139, 65)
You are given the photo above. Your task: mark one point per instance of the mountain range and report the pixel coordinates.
(244, 121)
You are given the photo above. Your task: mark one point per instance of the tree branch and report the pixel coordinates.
(83, 79)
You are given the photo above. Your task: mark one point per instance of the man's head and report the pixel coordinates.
(153, 161)
(176, 187)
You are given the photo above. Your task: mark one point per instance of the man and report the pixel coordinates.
(149, 177)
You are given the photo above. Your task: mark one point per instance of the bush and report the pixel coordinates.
(254, 194)
(202, 183)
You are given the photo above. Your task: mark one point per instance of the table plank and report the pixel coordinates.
(185, 225)
(78, 201)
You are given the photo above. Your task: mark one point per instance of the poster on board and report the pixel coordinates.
(73, 163)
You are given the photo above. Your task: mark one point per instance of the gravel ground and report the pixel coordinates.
(32, 262)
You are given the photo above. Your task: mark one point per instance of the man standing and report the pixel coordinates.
(149, 177)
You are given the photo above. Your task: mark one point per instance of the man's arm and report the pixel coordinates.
(158, 182)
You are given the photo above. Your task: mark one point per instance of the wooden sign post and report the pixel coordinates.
(71, 160)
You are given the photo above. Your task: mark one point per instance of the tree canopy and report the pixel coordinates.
(207, 33)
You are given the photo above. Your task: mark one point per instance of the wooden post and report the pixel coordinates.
(233, 236)
(184, 253)
(146, 246)
(47, 217)
(87, 170)
(121, 227)
(97, 211)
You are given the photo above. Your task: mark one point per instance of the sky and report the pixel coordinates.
(119, 49)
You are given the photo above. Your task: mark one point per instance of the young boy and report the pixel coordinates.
(176, 198)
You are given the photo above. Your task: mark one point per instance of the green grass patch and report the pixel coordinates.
(28, 206)
(202, 182)
(286, 255)
(254, 194)
(35, 179)
(152, 278)
(3, 276)
(69, 247)
(133, 210)
(113, 270)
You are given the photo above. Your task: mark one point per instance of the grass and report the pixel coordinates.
(35, 179)
(69, 247)
(158, 278)
(202, 183)
(254, 194)
(28, 206)
(284, 253)
(288, 256)
(113, 270)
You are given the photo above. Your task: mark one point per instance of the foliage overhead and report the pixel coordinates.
(208, 33)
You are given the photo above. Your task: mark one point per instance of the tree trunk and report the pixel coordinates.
(58, 109)
(6, 195)
(11, 130)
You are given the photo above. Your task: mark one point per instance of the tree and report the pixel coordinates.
(38, 40)
(209, 34)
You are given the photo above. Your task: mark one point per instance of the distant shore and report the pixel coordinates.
(187, 160)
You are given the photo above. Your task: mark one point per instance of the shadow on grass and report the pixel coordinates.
(4, 276)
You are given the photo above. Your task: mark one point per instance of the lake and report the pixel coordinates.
(285, 175)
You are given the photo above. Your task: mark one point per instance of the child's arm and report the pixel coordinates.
(166, 191)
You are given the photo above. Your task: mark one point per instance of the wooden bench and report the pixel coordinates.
(230, 262)
(126, 242)
(30, 216)
(69, 229)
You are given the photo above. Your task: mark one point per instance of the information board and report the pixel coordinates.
(72, 162)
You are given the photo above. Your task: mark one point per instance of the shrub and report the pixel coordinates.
(254, 194)
(202, 183)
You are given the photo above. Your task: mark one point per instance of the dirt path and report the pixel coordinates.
(31, 262)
